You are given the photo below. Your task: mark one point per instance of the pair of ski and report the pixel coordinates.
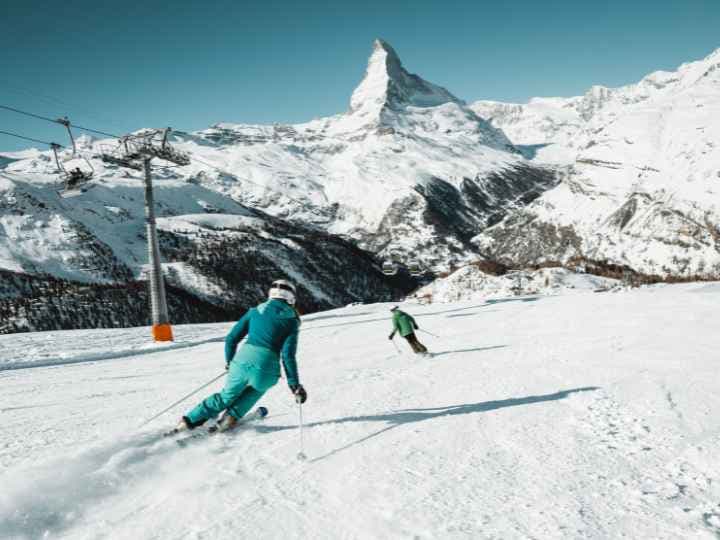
(258, 414)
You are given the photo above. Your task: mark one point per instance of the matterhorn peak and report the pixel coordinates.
(387, 54)
(388, 85)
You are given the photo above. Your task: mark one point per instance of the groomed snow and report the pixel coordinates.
(578, 416)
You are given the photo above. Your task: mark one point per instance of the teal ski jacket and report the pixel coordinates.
(403, 323)
(273, 325)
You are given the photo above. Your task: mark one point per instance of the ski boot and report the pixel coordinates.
(226, 423)
(183, 425)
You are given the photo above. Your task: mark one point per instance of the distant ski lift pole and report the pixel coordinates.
(517, 277)
(161, 329)
(136, 152)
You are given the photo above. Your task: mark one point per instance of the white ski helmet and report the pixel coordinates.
(283, 290)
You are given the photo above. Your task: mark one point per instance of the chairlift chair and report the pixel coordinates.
(389, 268)
(75, 172)
(414, 268)
(76, 180)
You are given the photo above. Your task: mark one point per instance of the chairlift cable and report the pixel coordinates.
(95, 131)
(54, 101)
(33, 115)
(29, 138)
(55, 121)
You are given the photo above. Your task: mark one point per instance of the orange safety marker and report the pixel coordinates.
(162, 332)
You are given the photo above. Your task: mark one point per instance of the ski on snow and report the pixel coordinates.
(258, 414)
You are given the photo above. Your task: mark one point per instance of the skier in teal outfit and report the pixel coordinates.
(272, 335)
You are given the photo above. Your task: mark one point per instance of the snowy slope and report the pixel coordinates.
(641, 171)
(561, 417)
(35, 349)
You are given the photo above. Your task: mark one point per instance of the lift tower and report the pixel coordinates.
(136, 152)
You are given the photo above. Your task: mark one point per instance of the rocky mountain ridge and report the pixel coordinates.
(640, 169)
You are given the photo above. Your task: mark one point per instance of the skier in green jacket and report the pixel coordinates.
(406, 326)
(272, 335)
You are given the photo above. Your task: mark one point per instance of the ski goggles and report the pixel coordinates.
(283, 286)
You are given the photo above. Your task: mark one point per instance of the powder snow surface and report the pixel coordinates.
(579, 416)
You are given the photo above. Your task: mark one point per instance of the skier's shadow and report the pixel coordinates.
(511, 299)
(477, 349)
(340, 316)
(452, 315)
(409, 416)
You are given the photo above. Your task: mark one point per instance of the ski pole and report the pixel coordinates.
(396, 347)
(181, 400)
(429, 333)
(301, 455)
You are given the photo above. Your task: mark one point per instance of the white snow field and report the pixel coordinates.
(591, 415)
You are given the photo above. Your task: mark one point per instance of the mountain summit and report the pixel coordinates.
(388, 84)
(389, 99)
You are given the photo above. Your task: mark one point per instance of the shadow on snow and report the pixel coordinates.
(476, 349)
(410, 416)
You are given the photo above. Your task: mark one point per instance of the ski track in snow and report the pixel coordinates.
(583, 416)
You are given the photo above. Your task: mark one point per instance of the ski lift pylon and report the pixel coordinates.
(134, 149)
(121, 155)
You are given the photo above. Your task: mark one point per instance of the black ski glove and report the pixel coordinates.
(391, 335)
(299, 392)
(416, 327)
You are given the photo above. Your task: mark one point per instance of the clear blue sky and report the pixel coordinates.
(119, 66)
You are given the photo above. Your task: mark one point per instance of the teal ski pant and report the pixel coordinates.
(253, 371)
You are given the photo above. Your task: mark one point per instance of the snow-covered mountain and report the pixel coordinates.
(640, 175)
(408, 171)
